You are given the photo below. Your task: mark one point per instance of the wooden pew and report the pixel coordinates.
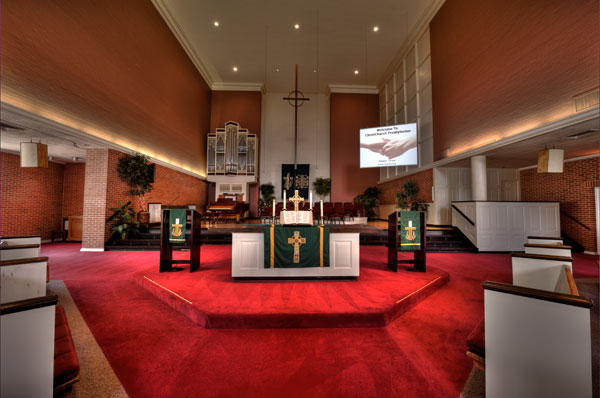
(23, 279)
(538, 271)
(20, 240)
(545, 240)
(537, 342)
(14, 252)
(550, 250)
(27, 347)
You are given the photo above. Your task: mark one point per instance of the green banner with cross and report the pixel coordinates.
(296, 247)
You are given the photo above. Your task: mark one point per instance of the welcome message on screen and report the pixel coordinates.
(389, 146)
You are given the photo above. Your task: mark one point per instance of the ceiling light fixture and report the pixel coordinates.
(235, 68)
(297, 26)
(356, 72)
(277, 69)
(216, 23)
(375, 28)
(314, 70)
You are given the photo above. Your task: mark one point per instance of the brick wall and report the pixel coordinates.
(170, 187)
(424, 179)
(574, 189)
(73, 184)
(94, 201)
(31, 198)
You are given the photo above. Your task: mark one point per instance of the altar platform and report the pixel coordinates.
(212, 299)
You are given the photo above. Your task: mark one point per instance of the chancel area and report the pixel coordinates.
(321, 199)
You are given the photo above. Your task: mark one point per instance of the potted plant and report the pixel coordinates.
(136, 171)
(267, 193)
(322, 186)
(370, 200)
(124, 225)
(408, 197)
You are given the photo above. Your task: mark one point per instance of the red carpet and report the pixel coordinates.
(210, 298)
(158, 352)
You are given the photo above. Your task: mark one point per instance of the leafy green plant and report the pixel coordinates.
(322, 186)
(136, 171)
(370, 200)
(408, 197)
(267, 193)
(124, 225)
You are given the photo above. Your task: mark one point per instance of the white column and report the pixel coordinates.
(478, 178)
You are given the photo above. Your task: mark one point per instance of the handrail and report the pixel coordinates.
(541, 256)
(464, 215)
(28, 304)
(571, 281)
(564, 213)
(545, 295)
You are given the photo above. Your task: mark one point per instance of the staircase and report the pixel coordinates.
(448, 239)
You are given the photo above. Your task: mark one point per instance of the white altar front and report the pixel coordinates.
(248, 254)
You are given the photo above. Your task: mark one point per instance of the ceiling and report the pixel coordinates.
(334, 39)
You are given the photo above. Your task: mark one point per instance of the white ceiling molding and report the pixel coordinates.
(419, 28)
(63, 131)
(338, 88)
(183, 40)
(580, 117)
(223, 86)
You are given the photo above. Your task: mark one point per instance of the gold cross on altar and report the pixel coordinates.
(296, 199)
(296, 241)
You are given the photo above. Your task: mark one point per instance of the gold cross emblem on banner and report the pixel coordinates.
(296, 241)
(410, 231)
(296, 199)
(176, 228)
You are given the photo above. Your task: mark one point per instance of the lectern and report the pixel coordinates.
(167, 244)
(399, 233)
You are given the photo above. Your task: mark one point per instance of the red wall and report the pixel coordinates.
(170, 188)
(501, 67)
(239, 106)
(348, 114)
(73, 185)
(31, 198)
(113, 68)
(424, 179)
(574, 189)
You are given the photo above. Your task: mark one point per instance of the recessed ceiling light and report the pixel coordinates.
(277, 69)
(356, 72)
(235, 68)
(216, 23)
(314, 70)
(375, 28)
(297, 26)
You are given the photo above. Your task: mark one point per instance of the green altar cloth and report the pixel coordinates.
(410, 231)
(295, 247)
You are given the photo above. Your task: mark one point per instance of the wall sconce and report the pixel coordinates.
(551, 161)
(34, 154)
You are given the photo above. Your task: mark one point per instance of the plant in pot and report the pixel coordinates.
(136, 171)
(267, 194)
(370, 200)
(124, 223)
(322, 186)
(408, 197)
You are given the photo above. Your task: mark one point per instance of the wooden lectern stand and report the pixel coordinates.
(166, 246)
(419, 260)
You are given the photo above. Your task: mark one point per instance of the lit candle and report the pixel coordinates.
(310, 198)
(274, 205)
(321, 208)
(284, 206)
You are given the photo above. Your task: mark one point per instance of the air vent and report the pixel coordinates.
(582, 134)
(587, 100)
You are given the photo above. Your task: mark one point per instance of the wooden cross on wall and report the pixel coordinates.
(296, 99)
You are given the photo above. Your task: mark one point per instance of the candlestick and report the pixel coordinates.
(284, 206)
(274, 206)
(321, 208)
(310, 198)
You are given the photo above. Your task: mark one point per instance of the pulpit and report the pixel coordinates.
(175, 231)
(407, 235)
